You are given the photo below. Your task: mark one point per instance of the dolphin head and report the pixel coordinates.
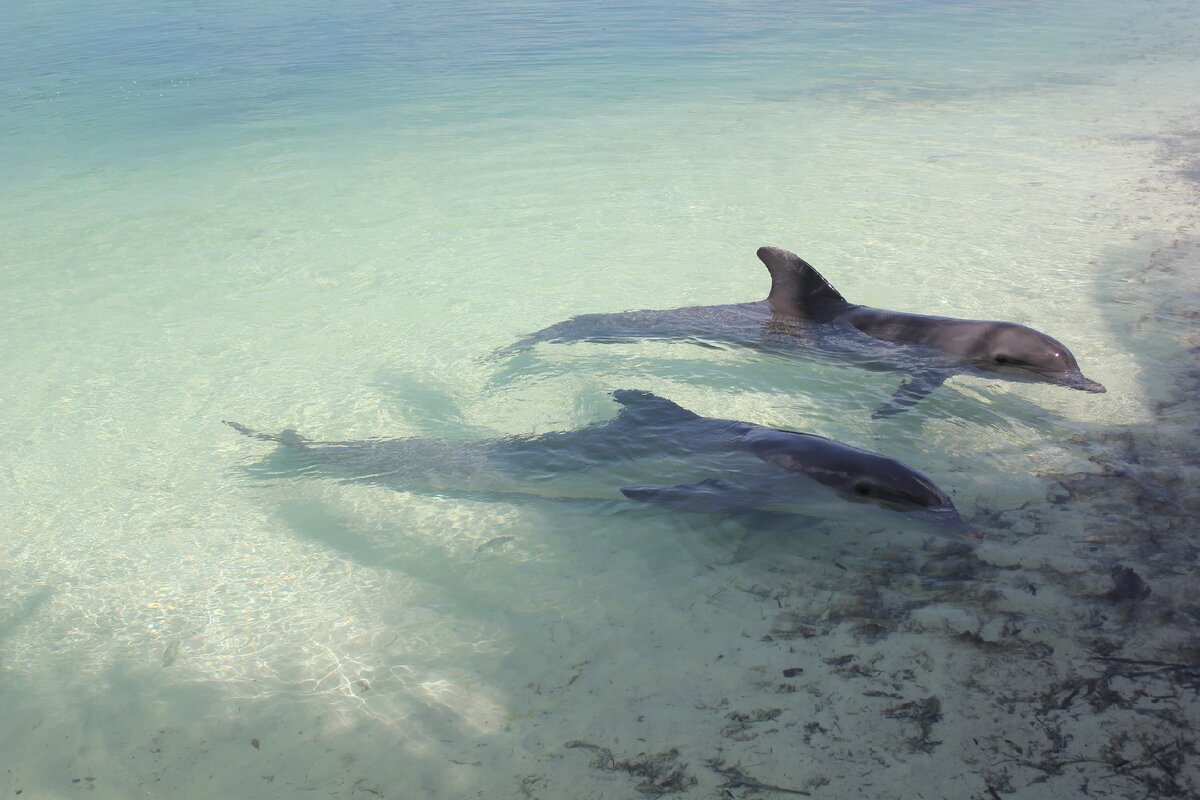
(860, 476)
(1020, 351)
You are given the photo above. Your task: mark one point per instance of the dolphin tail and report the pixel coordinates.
(288, 438)
(519, 346)
(566, 331)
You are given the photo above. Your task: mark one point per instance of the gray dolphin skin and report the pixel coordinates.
(653, 451)
(805, 315)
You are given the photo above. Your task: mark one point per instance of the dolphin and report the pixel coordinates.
(653, 451)
(804, 314)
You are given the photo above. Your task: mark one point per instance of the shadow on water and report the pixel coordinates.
(427, 403)
(311, 520)
(1140, 494)
(566, 525)
(145, 730)
(26, 608)
(791, 381)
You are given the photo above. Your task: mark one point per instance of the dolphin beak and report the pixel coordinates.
(950, 522)
(1077, 381)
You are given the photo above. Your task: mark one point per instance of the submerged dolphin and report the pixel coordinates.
(654, 451)
(805, 313)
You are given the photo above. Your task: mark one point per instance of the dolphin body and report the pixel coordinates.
(653, 451)
(804, 313)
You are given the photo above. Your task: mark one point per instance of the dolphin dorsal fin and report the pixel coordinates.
(648, 409)
(797, 290)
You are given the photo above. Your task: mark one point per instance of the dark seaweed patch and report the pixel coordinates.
(925, 712)
(659, 773)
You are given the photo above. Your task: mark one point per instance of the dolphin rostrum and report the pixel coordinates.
(804, 313)
(653, 451)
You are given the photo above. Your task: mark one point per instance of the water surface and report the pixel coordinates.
(298, 215)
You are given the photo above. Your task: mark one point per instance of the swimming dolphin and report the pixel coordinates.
(653, 451)
(804, 313)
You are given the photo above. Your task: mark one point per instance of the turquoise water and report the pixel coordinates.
(326, 217)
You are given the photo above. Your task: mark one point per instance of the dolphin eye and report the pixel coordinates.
(863, 489)
(1001, 359)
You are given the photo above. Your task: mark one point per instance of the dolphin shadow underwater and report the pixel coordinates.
(805, 315)
(653, 451)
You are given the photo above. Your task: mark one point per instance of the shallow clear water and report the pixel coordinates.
(326, 217)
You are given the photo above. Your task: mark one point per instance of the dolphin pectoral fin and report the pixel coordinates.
(706, 497)
(910, 393)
